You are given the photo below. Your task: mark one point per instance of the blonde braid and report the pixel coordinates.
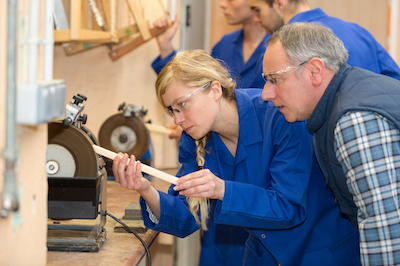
(200, 203)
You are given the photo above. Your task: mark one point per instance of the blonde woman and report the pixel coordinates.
(246, 174)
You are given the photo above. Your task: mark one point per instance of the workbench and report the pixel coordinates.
(118, 248)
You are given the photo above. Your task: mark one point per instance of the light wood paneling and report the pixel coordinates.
(370, 14)
(24, 231)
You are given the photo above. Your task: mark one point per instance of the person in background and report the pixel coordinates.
(243, 166)
(241, 50)
(353, 115)
(364, 51)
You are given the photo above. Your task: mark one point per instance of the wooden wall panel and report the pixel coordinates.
(24, 231)
(368, 13)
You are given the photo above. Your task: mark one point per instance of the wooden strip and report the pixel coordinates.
(145, 168)
(158, 128)
(85, 35)
(137, 12)
(77, 47)
(76, 15)
(128, 30)
(107, 14)
(116, 53)
(84, 12)
(62, 35)
(124, 48)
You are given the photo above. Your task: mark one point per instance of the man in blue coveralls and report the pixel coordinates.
(364, 51)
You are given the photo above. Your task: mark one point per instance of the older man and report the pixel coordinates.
(354, 117)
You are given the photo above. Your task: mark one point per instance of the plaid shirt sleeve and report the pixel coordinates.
(367, 146)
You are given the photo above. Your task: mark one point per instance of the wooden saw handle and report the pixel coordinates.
(145, 168)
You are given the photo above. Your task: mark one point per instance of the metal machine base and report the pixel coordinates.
(74, 238)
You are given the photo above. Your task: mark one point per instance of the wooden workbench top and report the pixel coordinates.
(118, 248)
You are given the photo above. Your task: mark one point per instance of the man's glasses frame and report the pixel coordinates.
(267, 77)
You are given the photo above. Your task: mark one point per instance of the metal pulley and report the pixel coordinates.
(126, 132)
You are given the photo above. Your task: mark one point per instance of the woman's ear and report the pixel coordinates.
(216, 90)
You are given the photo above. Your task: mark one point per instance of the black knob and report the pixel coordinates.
(83, 118)
(123, 138)
(82, 96)
(78, 100)
(67, 121)
(121, 106)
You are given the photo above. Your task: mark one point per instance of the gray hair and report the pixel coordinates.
(303, 41)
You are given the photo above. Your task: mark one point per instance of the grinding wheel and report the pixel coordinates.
(125, 134)
(90, 134)
(70, 152)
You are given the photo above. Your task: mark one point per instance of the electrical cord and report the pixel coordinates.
(133, 232)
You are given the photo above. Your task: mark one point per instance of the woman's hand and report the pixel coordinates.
(129, 175)
(202, 184)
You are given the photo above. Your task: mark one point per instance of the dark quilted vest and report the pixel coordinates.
(352, 89)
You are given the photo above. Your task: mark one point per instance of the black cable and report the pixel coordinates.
(133, 232)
